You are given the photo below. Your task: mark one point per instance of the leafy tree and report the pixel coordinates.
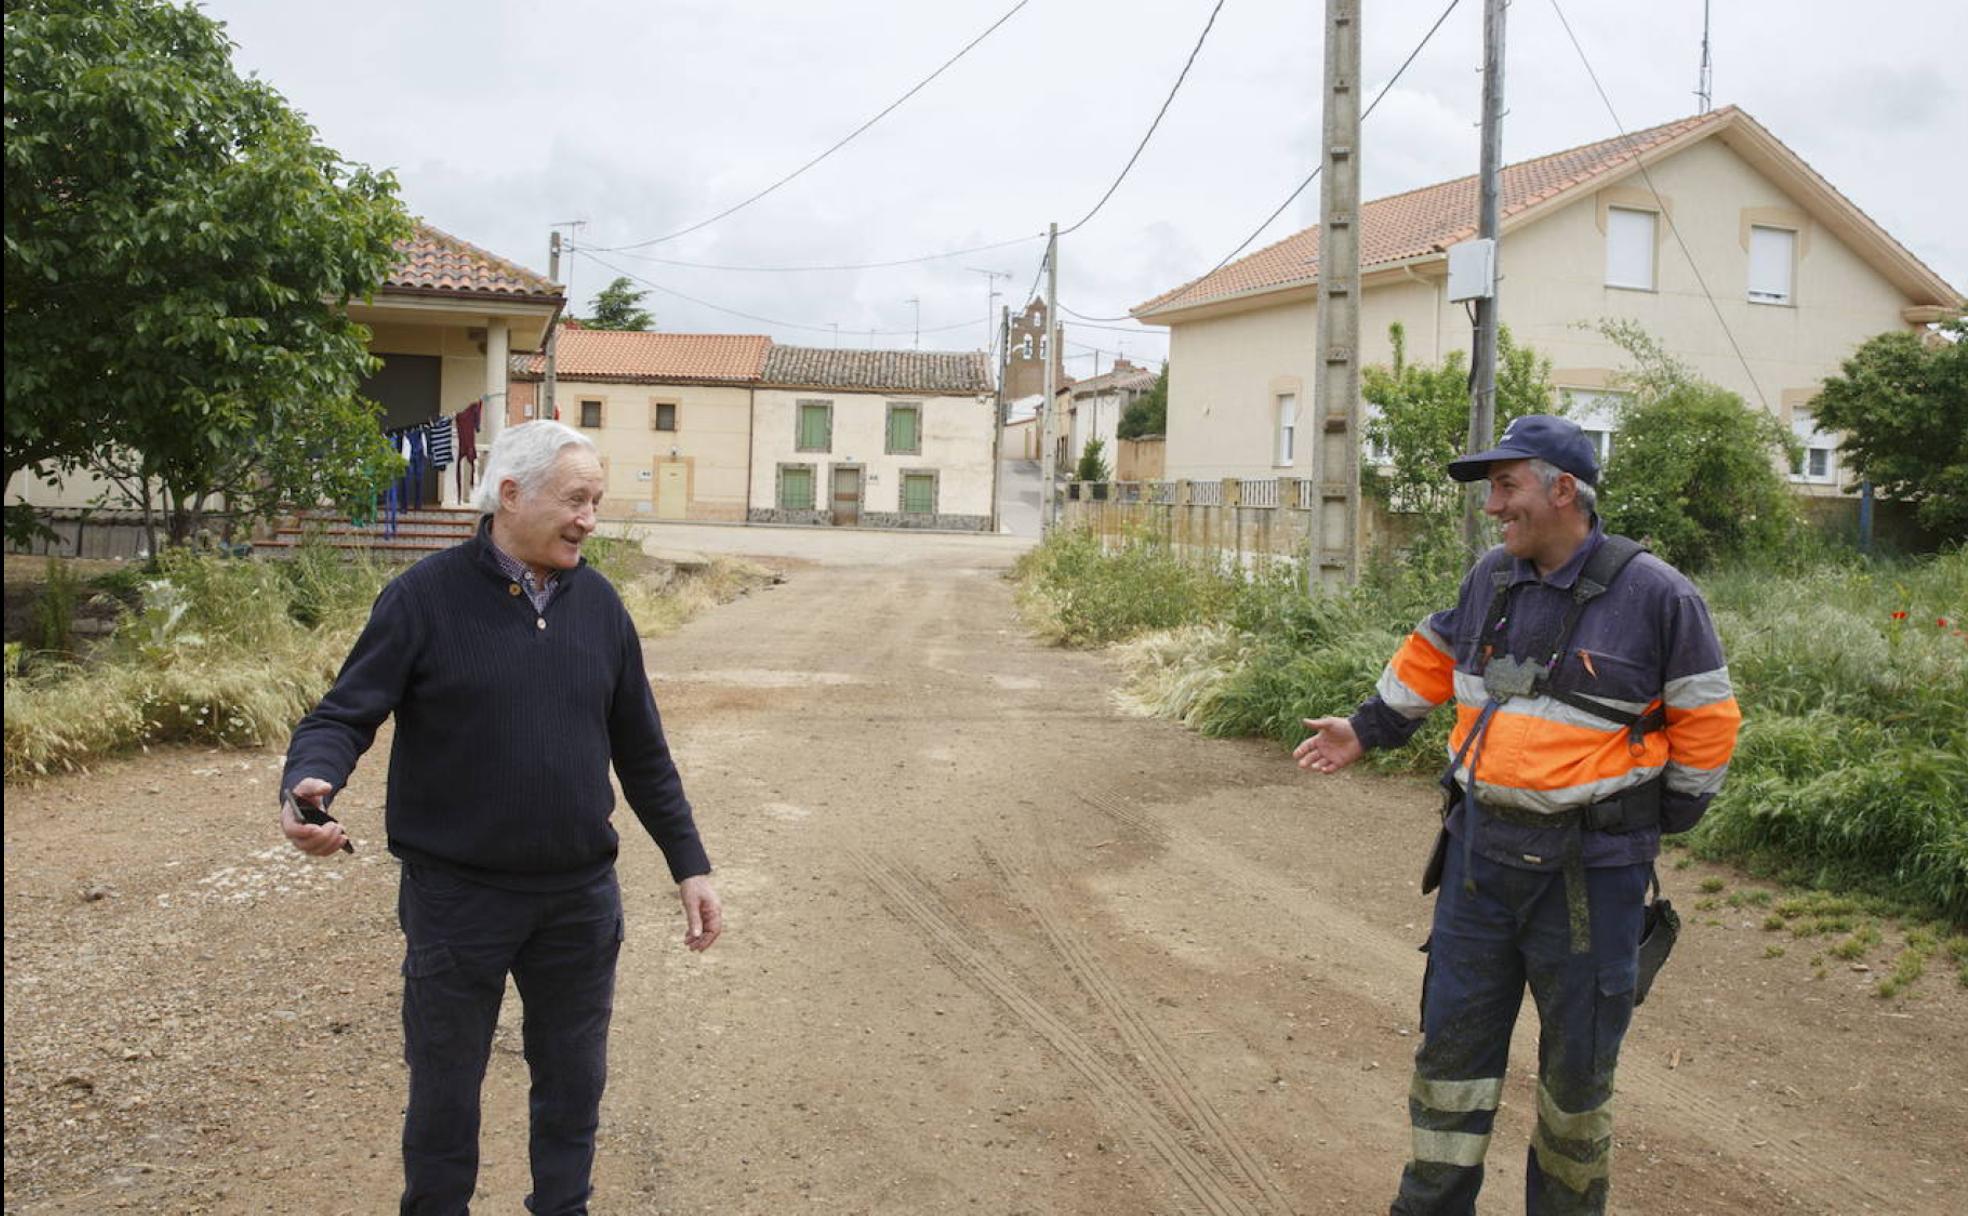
(1147, 414)
(1694, 471)
(1903, 405)
(1093, 462)
(179, 257)
(618, 306)
(1420, 420)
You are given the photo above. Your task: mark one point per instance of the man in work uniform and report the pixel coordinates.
(516, 680)
(1593, 712)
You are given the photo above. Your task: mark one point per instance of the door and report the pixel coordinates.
(847, 496)
(406, 386)
(672, 490)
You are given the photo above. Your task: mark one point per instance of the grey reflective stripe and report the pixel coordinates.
(1573, 1173)
(1434, 639)
(1400, 698)
(1683, 779)
(1469, 691)
(1457, 1097)
(1465, 1149)
(1702, 688)
(1552, 802)
(1594, 1125)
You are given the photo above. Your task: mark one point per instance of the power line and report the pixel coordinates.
(837, 146)
(1293, 196)
(823, 329)
(1662, 205)
(1166, 101)
(927, 257)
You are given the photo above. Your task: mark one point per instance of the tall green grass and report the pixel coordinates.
(1852, 772)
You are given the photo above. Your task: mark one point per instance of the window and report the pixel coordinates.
(1379, 452)
(1818, 463)
(1597, 413)
(1772, 253)
(1287, 422)
(918, 493)
(1630, 248)
(795, 487)
(904, 428)
(591, 414)
(663, 416)
(1025, 347)
(816, 427)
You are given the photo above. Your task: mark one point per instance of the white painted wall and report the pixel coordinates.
(956, 442)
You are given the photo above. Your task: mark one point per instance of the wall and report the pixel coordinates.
(1139, 459)
(956, 442)
(712, 439)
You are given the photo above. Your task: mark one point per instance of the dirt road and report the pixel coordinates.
(992, 948)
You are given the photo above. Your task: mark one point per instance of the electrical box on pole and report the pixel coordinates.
(1472, 270)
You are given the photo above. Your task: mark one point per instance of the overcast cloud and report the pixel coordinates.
(501, 119)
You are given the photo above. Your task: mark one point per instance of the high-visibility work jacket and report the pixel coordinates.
(1647, 641)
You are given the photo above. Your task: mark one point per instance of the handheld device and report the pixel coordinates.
(307, 812)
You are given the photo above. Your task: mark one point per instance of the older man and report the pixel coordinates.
(516, 678)
(1593, 713)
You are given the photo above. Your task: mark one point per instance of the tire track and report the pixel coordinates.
(1670, 1100)
(1173, 1086)
(916, 903)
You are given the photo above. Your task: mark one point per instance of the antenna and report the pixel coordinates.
(573, 243)
(915, 343)
(1706, 88)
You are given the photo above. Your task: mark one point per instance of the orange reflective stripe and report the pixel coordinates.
(1537, 754)
(1704, 737)
(1424, 669)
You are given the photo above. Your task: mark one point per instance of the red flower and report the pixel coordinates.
(1940, 622)
(1899, 616)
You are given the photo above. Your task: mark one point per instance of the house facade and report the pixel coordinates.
(1093, 409)
(670, 415)
(890, 439)
(1669, 228)
(444, 324)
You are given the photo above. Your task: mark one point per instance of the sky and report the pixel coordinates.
(502, 119)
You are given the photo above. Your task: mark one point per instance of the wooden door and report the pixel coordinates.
(672, 490)
(847, 497)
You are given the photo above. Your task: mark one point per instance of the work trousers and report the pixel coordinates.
(1514, 928)
(462, 939)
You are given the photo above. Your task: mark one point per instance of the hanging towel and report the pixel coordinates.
(438, 443)
(467, 420)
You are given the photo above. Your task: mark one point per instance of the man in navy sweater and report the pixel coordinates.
(516, 678)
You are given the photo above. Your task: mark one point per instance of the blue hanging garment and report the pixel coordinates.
(438, 442)
(413, 476)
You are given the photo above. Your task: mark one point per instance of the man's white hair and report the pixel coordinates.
(1548, 475)
(524, 454)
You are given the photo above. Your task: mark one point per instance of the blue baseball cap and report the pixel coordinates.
(1556, 441)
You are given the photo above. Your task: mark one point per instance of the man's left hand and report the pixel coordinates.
(703, 912)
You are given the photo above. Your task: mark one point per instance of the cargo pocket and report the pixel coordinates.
(1612, 1012)
(431, 1003)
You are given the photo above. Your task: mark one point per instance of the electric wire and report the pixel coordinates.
(837, 146)
(823, 329)
(1293, 196)
(1662, 205)
(1150, 134)
(927, 257)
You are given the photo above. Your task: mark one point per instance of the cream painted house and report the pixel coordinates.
(670, 414)
(1667, 228)
(444, 324)
(888, 439)
(1094, 407)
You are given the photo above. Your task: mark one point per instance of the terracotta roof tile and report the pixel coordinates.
(1127, 379)
(896, 371)
(434, 260)
(609, 354)
(1430, 219)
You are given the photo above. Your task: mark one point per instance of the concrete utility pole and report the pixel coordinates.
(1334, 554)
(1049, 351)
(1483, 366)
(997, 410)
(543, 407)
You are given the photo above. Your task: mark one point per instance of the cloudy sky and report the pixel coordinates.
(642, 118)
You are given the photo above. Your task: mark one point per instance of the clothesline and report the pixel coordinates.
(438, 444)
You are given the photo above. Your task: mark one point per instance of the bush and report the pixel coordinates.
(1075, 593)
(1093, 464)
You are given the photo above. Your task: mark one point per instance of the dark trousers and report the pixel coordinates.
(1514, 929)
(560, 947)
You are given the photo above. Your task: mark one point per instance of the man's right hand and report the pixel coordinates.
(316, 840)
(1332, 747)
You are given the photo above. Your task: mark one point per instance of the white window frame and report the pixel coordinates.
(1285, 407)
(1621, 260)
(1597, 412)
(1804, 425)
(1772, 265)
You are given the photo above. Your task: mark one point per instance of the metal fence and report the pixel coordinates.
(1232, 519)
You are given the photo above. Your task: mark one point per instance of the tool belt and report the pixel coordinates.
(1630, 811)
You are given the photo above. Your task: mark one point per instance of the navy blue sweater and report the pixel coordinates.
(504, 729)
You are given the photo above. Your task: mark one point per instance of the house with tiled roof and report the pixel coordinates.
(1091, 409)
(875, 438)
(670, 414)
(1666, 227)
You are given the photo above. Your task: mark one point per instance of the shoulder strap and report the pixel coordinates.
(1613, 555)
(1605, 564)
